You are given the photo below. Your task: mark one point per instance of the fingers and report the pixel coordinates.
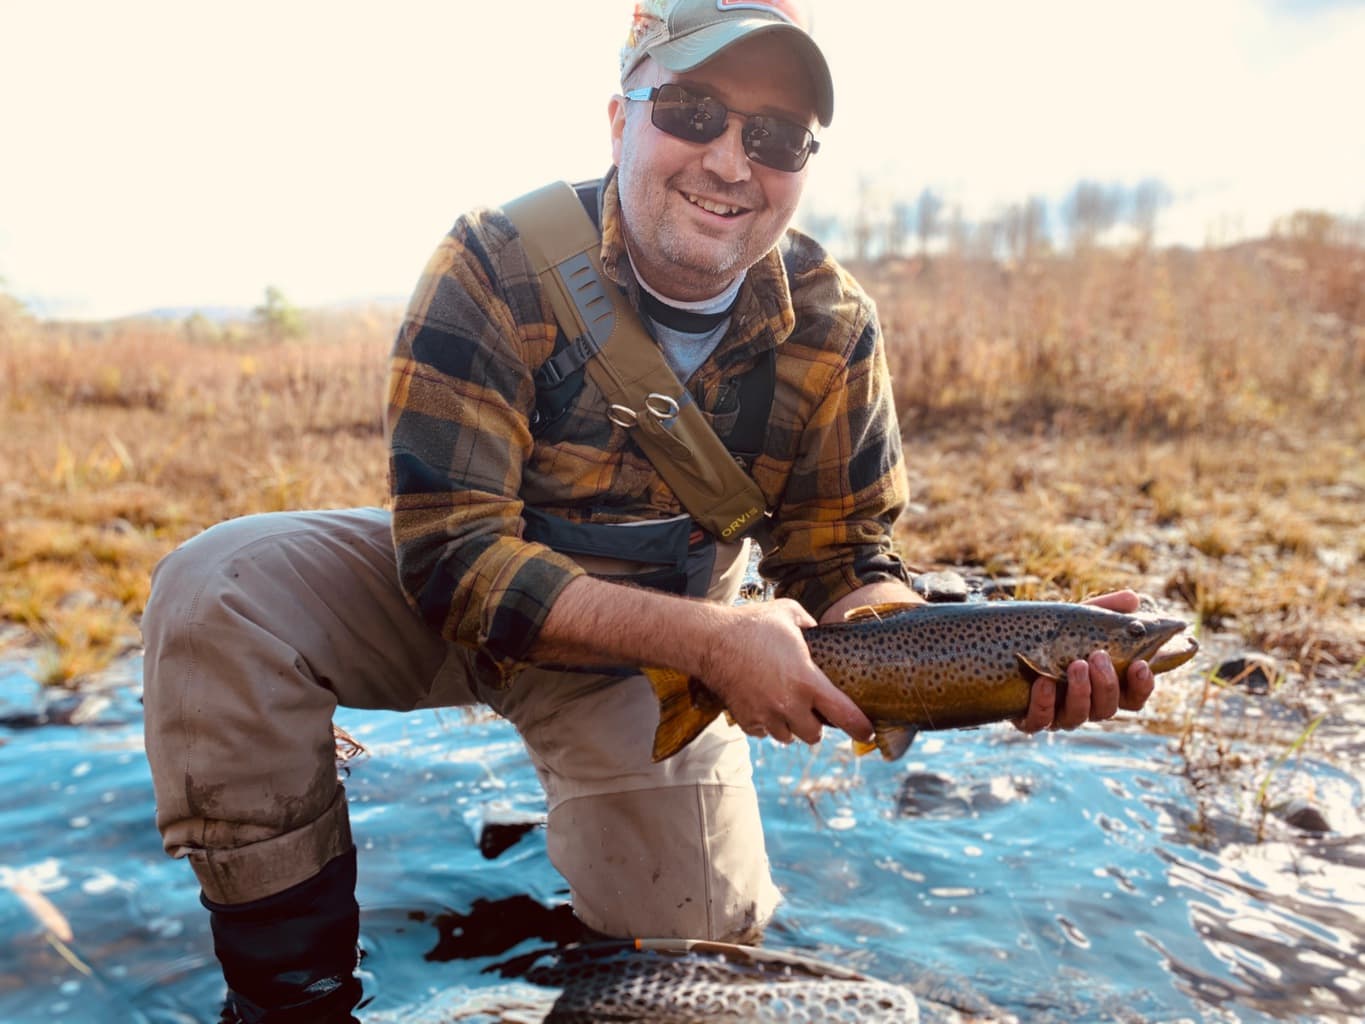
(1125, 601)
(1104, 687)
(833, 707)
(1138, 686)
(804, 717)
(1042, 706)
(1092, 694)
(799, 615)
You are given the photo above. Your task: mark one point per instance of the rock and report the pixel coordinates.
(1252, 671)
(501, 827)
(67, 709)
(941, 587)
(1303, 815)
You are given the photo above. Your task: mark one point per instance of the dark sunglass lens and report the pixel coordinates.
(775, 143)
(680, 113)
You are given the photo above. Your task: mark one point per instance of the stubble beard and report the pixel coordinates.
(687, 258)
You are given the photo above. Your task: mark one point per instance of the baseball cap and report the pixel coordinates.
(684, 34)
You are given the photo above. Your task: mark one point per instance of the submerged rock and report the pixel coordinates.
(1252, 671)
(500, 828)
(1303, 815)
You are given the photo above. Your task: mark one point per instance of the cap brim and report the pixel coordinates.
(696, 48)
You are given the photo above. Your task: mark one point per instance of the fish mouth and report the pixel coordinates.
(1164, 661)
(1153, 651)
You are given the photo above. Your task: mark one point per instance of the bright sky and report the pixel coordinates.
(178, 154)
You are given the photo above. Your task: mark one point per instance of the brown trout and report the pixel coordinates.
(671, 981)
(915, 667)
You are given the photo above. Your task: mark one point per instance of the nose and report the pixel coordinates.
(725, 157)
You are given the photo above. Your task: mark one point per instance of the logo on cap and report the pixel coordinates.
(787, 10)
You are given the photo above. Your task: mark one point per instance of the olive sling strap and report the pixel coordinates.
(643, 394)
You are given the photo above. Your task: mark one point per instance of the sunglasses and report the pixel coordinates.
(771, 141)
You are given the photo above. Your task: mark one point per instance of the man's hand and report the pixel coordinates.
(760, 668)
(752, 656)
(1094, 691)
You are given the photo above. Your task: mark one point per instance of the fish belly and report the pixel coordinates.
(934, 689)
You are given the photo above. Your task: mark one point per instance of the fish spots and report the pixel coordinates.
(946, 667)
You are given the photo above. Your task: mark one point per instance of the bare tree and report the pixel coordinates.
(822, 226)
(899, 228)
(1033, 231)
(986, 238)
(1089, 211)
(1149, 197)
(927, 210)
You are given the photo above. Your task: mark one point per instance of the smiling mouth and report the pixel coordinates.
(711, 206)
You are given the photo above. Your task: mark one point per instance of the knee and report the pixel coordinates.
(680, 862)
(195, 577)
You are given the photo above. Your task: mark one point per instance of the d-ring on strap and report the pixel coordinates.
(642, 392)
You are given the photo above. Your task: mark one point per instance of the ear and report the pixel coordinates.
(616, 111)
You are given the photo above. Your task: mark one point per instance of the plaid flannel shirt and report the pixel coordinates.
(463, 460)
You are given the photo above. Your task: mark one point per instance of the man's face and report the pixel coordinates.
(696, 215)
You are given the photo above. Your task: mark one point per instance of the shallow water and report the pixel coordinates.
(1064, 878)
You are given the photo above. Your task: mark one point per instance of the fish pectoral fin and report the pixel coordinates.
(682, 715)
(1028, 671)
(892, 740)
(879, 611)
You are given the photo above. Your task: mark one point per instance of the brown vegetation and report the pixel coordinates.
(1186, 422)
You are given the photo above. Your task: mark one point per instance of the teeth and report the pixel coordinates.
(710, 207)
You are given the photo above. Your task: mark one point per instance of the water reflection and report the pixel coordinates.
(1056, 879)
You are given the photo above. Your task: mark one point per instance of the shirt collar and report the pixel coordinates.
(763, 313)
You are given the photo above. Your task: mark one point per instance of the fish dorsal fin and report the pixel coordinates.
(879, 611)
(892, 740)
(1028, 671)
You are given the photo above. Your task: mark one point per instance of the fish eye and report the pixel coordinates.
(1137, 629)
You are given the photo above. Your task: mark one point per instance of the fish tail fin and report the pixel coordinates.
(682, 718)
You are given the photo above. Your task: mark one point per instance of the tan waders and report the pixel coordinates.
(258, 628)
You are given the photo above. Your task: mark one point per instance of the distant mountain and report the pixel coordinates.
(237, 314)
(218, 314)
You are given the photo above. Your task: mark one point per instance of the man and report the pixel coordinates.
(517, 570)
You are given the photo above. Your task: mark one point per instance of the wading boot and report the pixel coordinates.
(290, 958)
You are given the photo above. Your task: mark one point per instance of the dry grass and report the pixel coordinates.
(1186, 422)
(122, 440)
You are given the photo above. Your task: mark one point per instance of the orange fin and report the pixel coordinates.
(682, 716)
(892, 740)
(879, 611)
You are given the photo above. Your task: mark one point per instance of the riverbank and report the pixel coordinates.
(1186, 424)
